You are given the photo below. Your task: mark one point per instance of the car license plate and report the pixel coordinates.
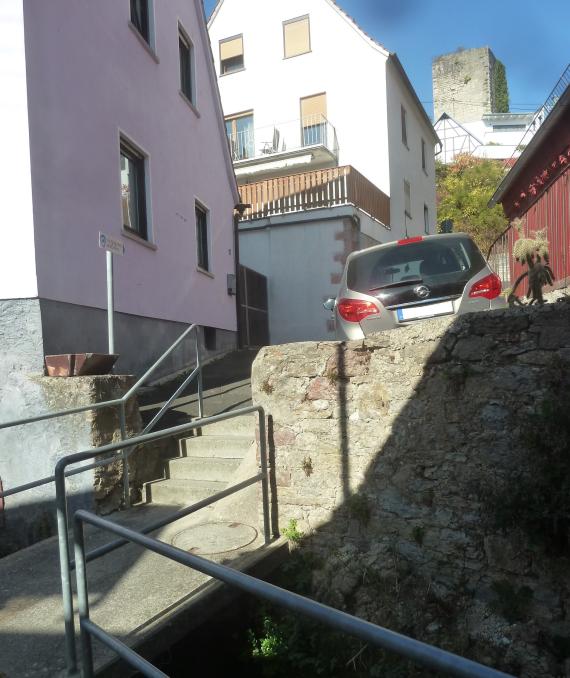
(427, 311)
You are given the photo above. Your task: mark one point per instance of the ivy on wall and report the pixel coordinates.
(501, 88)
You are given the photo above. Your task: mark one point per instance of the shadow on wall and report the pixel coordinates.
(33, 521)
(403, 459)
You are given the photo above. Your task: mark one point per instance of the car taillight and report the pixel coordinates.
(407, 241)
(355, 310)
(489, 287)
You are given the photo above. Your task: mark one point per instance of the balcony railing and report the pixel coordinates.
(542, 113)
(311, 190)
(263, 142)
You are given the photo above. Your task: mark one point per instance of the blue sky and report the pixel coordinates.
(530, 37)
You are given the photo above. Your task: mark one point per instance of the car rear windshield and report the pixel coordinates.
(438, 260)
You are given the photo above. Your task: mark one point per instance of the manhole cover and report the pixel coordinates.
(212, 538)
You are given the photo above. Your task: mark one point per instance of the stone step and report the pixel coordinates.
(227, 447)
(204, 468)
(242, 426)
(181, 491)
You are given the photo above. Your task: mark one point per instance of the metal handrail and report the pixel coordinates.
(543, 112)
(121, 403)
(426, 655)
(62, 513)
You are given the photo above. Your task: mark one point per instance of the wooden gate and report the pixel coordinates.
(253, 308)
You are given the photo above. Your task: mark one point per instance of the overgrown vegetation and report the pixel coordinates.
(464, 188)
(292, 532)
(282, 645)
(501, 88)
(535, 499)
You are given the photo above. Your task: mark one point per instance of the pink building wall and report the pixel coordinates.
(90, 78)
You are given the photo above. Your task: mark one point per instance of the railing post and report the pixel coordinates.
(65, 571)
(82, 599)
(125, 456)
(265, 478)
(199, 368)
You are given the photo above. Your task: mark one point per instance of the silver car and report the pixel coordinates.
(399, 283)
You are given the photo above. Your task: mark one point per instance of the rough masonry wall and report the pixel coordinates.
(463, 84)
(30, 452)
(383, 451)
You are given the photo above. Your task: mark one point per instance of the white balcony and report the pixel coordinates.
(306, 142)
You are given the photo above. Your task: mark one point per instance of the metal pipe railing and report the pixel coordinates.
(121, 403)
(62, 512)
(426, 655)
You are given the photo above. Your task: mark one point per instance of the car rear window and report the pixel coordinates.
(438, 260)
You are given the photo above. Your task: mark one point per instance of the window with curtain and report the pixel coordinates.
(231, 55)
(314, 119)
(202, 237)
(296, 37)
(186, 66)
(239, 129)
(133, 190)
(140, 18)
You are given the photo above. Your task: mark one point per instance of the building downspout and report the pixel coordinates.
(239, 209)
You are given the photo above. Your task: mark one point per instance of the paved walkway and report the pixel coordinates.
(132, 591)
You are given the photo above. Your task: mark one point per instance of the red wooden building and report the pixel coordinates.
(537, 189)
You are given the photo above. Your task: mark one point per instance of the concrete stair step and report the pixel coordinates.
(204, 468)
(181, 491)
(227, 447)
(242, 426)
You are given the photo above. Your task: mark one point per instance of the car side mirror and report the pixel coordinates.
(329, 304)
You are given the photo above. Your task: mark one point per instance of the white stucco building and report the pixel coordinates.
(319, 117)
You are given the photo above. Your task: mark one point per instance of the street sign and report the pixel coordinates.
(112, 245)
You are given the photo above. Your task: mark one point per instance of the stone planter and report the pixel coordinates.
(79, 364)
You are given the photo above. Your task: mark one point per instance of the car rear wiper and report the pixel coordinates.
(400, 283)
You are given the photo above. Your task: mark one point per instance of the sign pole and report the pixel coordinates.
(111, 246)
(110, 302)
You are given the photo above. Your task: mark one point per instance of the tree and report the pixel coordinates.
(463, 190)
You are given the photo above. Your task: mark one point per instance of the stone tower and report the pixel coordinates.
(463, 84)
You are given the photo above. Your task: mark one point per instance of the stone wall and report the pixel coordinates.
(463, 84)
(384, 451)
(30, 452)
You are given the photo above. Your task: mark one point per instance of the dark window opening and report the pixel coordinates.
(185, 51)
(404, 126)
(423, 155)
(210, 338)
(140, 18)
(133, 191)
(202, 238)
